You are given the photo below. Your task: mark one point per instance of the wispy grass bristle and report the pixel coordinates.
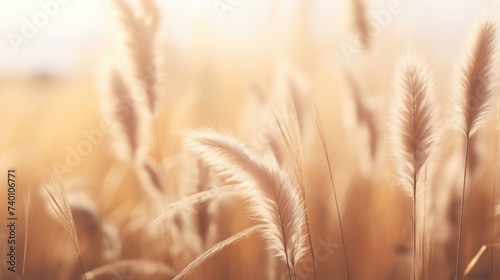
(274, 198)
(58, 201)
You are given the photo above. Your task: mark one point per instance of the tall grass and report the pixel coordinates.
(157, 197)
(477, 98)
(414, 131)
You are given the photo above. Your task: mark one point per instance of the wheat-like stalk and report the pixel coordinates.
(27, 210)
(289, 130)
(365, 116)
(330, 172)
(360, 20)
(274, 198)
(134, 89)
(189, 203)
(413, 128)
(476, 97)
(289, 133)
(413, 125)
(201, 259)
(152, 16)
(138, 44)
(142, 76)
(58, 200)
(131, 135)
(148, 266)
(149, 172)
(128, 119)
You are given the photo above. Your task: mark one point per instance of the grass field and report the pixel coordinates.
(250, 140)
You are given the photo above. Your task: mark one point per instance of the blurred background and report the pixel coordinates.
(82, 29)
(230, 64)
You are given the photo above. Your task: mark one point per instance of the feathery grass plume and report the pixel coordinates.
(327, 157)
(365, 115)
(294, 85)
(148, 172)
(27, 210)
(360, 21)
(274, 198)
(413, 129)
(58, 200)
(476, 97)
(289, 133)
(148, 266)
(289, 130)
(131, 136)
(130, 139)
(201, 259)
(140, 32)
(152, 16)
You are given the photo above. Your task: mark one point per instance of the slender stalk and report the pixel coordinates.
(309, 239)
(429, 260)
(166, 238)
(160, 154)
(80, 261)
(27, 210)
(414, 226)
(462, 205)
(424, 251)
(201, 259)
(288, 266)
(325, 149)
(493, 198)
(478, 255)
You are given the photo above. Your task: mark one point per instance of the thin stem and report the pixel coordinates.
(462, 205)
(334, 191)
(166, 238)
(493, 199)
(289, 273)
(80, 261)
(27, 211)
(429, 260)
(159, 155)
(414, 226)
(310, 241)
(423, 226)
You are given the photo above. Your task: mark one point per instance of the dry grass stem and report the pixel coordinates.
(290, 134)
(27, 210)
(201, 259)
(58, 200)
(189, 203)
(476, 99)
(327, 156)
(147, 266)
